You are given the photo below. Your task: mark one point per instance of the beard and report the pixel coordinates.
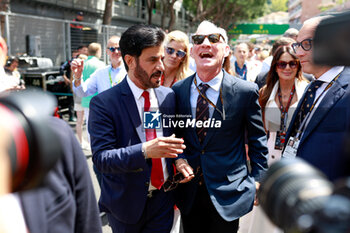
(145, 79)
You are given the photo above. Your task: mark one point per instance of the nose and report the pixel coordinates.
(206, 41)
(300, 52)
(160, 65)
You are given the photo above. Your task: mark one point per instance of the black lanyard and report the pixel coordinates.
(211, 103)
(284, 110)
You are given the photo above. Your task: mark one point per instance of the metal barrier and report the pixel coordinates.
(53, 38)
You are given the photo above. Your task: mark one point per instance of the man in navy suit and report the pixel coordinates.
(126, 150)
(219, 120)
(319, 136)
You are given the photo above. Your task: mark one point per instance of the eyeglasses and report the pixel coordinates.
(113, 49)
(172, 184)
(179, 53)
(305, 44)
(213, 38)
(282, 64)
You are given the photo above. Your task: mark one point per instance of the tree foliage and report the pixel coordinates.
(225, 12)
(278, 5)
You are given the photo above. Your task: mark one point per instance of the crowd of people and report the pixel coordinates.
(191, 128)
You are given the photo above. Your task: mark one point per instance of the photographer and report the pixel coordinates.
(7, 83)
(64, 203)
(45, 185)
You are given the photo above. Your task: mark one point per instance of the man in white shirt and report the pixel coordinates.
(318, 127)
(129, 152)
(103, 78)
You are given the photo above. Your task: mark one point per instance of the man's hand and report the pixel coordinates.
(77, 67)
(256, 201)
(164, 147)
(186, 170)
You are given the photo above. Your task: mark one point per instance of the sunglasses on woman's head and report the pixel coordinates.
(179, 53)
(113, 49)
(213, 38)
(283, 64)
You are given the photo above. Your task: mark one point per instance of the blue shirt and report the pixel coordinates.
(241, 72)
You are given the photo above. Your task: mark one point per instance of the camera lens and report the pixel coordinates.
(34, 147)
(291, 191)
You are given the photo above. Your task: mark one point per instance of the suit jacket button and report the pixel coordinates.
(147, 184)
(203, 151)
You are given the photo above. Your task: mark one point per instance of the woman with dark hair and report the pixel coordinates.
(284, 87)
(279, 98)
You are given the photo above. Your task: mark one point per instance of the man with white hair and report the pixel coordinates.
(217, 188)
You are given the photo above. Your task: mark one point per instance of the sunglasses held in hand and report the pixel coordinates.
(172, 184)
(179, 53)
(213, 38)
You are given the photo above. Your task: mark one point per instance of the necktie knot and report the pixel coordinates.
(145, 95)
(147, 104)
(203, 88)
(315, 85)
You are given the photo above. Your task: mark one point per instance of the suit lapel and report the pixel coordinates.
(185, 106)
(163, 109)
(330, 99)
(131, 107)
(226, 86)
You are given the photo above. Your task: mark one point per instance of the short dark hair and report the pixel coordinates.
(138, 37)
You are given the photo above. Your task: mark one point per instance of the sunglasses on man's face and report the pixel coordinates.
(179, 53)
(213, 38)
(282, 64)
(113, 49)
(305, 44)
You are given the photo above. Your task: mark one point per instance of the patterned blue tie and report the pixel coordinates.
(307, 103)
(202, 111)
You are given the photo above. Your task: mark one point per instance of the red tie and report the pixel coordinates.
(157, 178)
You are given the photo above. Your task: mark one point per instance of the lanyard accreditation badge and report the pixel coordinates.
(281, 134)
(291, 148)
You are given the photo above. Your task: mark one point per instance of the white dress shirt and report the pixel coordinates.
(100, 81)
(212, 92)
(140, 102)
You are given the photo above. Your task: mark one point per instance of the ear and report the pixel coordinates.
(227, 50)
(130, 61)
(191, 52)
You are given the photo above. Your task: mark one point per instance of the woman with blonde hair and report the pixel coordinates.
(176, 60)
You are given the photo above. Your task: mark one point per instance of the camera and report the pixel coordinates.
(34, 148)
(299, 199)
(331, 42)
